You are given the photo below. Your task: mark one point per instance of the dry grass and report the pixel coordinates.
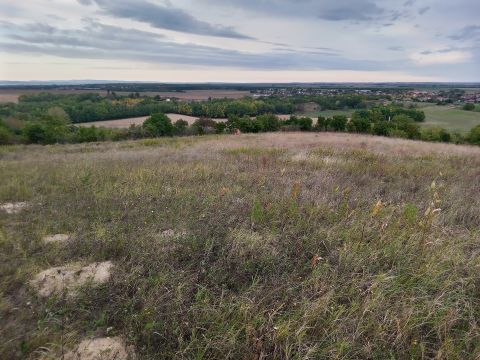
(282, 245)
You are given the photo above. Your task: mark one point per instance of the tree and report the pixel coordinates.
(48, 129)
(180, 127)
(436, 134)
(220, 127)
(322, 124)
(305, 123)
(382, 128)
(360, 122)
(403, 124)
(204, 126)
(268, 122)
(473, 136)
(469, 107)
(6, 136)
(338, 122)
(158, 125)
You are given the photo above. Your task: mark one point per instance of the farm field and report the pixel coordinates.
(12, 95)
(450, 118)
(125, 123)
(275, 245)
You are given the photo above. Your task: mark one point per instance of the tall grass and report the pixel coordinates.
(288, 246)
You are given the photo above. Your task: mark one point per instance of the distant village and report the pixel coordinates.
(450, 96)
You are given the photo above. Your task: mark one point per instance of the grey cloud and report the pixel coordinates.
(100, 41)
(423, 10)
(395, 48)
(163, 17)
(467, 33)
(351, 10)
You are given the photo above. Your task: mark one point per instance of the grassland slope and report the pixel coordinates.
(281, 245)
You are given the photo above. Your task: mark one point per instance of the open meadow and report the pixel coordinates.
(278, 245)
(450, 117)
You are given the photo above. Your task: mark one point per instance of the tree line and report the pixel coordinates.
(393, 121)
(94, 107)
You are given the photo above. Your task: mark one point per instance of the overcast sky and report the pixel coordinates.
(240, 40)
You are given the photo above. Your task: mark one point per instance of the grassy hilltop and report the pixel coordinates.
(278, 245)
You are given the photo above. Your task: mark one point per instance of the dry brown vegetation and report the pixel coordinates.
(280, 245)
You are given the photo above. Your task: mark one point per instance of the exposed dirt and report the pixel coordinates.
(173, 234)
(69, 277)
(13, 208)
(125, 123)
(100, 349)
(57, 238)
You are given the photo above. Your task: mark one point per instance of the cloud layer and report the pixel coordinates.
(163, 17)
(435, 39)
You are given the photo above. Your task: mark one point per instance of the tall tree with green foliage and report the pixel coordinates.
(158, 125)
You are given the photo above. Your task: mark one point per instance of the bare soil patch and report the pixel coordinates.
(69, 277)
(100, 349)
(126, 123)
(13, 208)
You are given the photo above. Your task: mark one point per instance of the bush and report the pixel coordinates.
(220, 127)
(322, 124)
(359, 123)
(473, 136)
(469, 107)
(158, 125)
(407, 125)
(180, 127)
(204, 126)
(268, 122)
(338, 122)
(382, 128)
(48, 129)
(302, 124)
(244, 124)
(89, 134)
(436, 134)
(6, 136)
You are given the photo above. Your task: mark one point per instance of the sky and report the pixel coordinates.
(241, 40)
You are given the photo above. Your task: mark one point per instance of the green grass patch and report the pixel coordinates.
(450, 117)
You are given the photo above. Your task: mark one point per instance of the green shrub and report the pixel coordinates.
(204, 126)
(359, 123)
(180, 127)
(268, 122)
(322, 124)
(86, 134)
(338, 123)
(436, 134)
(158, 125)
(382, 128)
(407, 125)
(6, 136)
(473, 136)
(469, 107)
(220, 127)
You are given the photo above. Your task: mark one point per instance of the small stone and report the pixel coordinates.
(57, 238)
(13, 208)
(69, 277)
(100, 349)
